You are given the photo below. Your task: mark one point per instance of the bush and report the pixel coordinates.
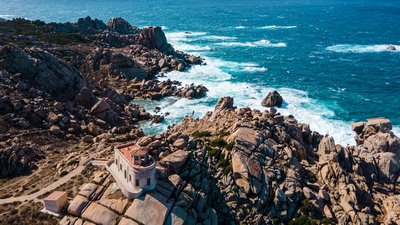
(200, 134)
(218, 142)
(230, 145)
(228, 170)
(211, 151)
(303, 220)
(63, 173)
(223, 133)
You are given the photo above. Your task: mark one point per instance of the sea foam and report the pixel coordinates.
(275, 27)
(354, 48)
(261, 43)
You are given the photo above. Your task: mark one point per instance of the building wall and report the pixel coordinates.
(133, 175)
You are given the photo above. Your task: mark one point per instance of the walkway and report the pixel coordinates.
(49, 188)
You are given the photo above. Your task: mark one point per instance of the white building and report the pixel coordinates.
(55, 201)
(133, 170)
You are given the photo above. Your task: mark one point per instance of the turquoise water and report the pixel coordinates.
(328, 58)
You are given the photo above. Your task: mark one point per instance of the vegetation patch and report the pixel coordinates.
(200, 134)
(218, 142)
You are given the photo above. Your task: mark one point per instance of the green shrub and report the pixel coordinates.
(228, 170)
(63, 173)
(200, 134)
(223, 133)
(230, 145)
(303, 220)
(211, 151)
(218, 142)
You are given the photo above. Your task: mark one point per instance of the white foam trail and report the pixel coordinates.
(240, 27)
(255, 69)
(215, 37)
(261, 43)
(275, 27)
(353, 48)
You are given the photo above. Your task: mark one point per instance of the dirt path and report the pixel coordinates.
(48, 188)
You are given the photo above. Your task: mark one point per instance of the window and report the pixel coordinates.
(120, 166)
(148, 181)
(130, 177)
(125, 174)
(137, 182)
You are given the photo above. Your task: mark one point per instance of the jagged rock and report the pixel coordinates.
(99, 214)
(154, 37)
(391, 47)
(122, 26)
(85, 97)
(273, 99)
(391, 206)
(42, 70)
(18, 160)
(83, 25)
(3, 126)
(100, 106)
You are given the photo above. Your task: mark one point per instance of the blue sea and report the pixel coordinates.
(327, 58)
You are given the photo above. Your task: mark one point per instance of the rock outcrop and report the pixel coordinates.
(272, 99)
(154, 37)
(42, 70)
(122, 26)
(18, 160)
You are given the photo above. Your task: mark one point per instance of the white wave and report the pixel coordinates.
(255, 69)
(353, 48)
(7, 16)
(240, 27)
(164, 28)
(275, 27)
(218, 81)
(215, 37)
(261, 43)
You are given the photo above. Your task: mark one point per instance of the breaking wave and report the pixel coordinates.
(352, 48)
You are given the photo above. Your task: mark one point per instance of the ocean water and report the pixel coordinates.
(327, 58)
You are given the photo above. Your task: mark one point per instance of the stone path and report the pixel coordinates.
(48, 188)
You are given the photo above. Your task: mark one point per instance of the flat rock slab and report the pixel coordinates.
(149, 209)
(126, 221)
(117, 205)
(100, 214)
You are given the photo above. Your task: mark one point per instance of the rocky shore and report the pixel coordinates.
(65, 100)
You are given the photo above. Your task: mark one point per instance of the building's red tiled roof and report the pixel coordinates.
(131, 150)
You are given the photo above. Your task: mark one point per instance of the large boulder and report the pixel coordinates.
(246, 138)
(154, 37)
(273, 99)
(247, 172)
(175, 160)
(77, 205)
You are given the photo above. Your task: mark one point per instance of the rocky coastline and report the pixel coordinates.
(65, 99)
